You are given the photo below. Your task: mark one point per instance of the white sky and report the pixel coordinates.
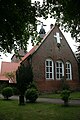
(47, 28)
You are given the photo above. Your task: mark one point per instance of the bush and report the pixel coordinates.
(15, 91)
(31, 94)
(32, 85)
(7, 92)
(3, 85)
(65, 94)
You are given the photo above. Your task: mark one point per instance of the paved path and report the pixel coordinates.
(50, 100)
(58, 101)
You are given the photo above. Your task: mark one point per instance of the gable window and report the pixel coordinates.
(68, 71)
(59, 70)
(49, 69)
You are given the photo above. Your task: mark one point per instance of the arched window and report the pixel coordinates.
(68, 71)
(49, 73)
(59, 70)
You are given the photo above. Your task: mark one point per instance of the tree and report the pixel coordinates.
(66, 13)
(11, 76)
(18, 20)
(17, 23)
(24, 77)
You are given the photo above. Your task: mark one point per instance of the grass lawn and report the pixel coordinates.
(10, 110)
(73, 95)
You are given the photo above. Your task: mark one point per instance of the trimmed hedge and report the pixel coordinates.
(7, 92)
(31, 94)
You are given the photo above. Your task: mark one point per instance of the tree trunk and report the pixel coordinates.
(66, 103)
(21, 100)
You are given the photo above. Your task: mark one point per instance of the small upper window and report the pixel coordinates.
(68, 71)
(49, 69)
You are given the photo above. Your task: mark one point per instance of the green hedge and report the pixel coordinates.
(31, 94)
(7, 92)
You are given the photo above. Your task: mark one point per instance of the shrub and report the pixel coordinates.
(31, 94)
(15, 91)
(7, 92)
(65, 94)
(3, 85)
(32, 85)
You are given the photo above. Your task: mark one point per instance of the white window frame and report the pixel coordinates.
(49, 69)
(59, 70)
(68, 71)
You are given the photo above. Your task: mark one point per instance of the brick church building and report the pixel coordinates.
(51, 60)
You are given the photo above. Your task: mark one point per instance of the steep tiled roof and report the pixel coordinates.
(3, 78)
(8, 67)
(29, 53)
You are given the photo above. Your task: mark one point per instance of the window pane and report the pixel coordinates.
(68, 71)
(60, 64)
(47, 75)
(46, 63)
(50, 75)
(68, 66)
(58, 76)
(59, 69)
(69, 76)
(49, 69)
(57, 64)
(50, 63)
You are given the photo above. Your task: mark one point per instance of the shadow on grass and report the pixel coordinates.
(70, 106)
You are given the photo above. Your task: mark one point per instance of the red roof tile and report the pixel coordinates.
(8, 67)
(29, 53)
(3, 78)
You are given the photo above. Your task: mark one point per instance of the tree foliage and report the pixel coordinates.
(18, 20)
(66, 13)
(17, 23)
(24, 77)
(11, 76)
